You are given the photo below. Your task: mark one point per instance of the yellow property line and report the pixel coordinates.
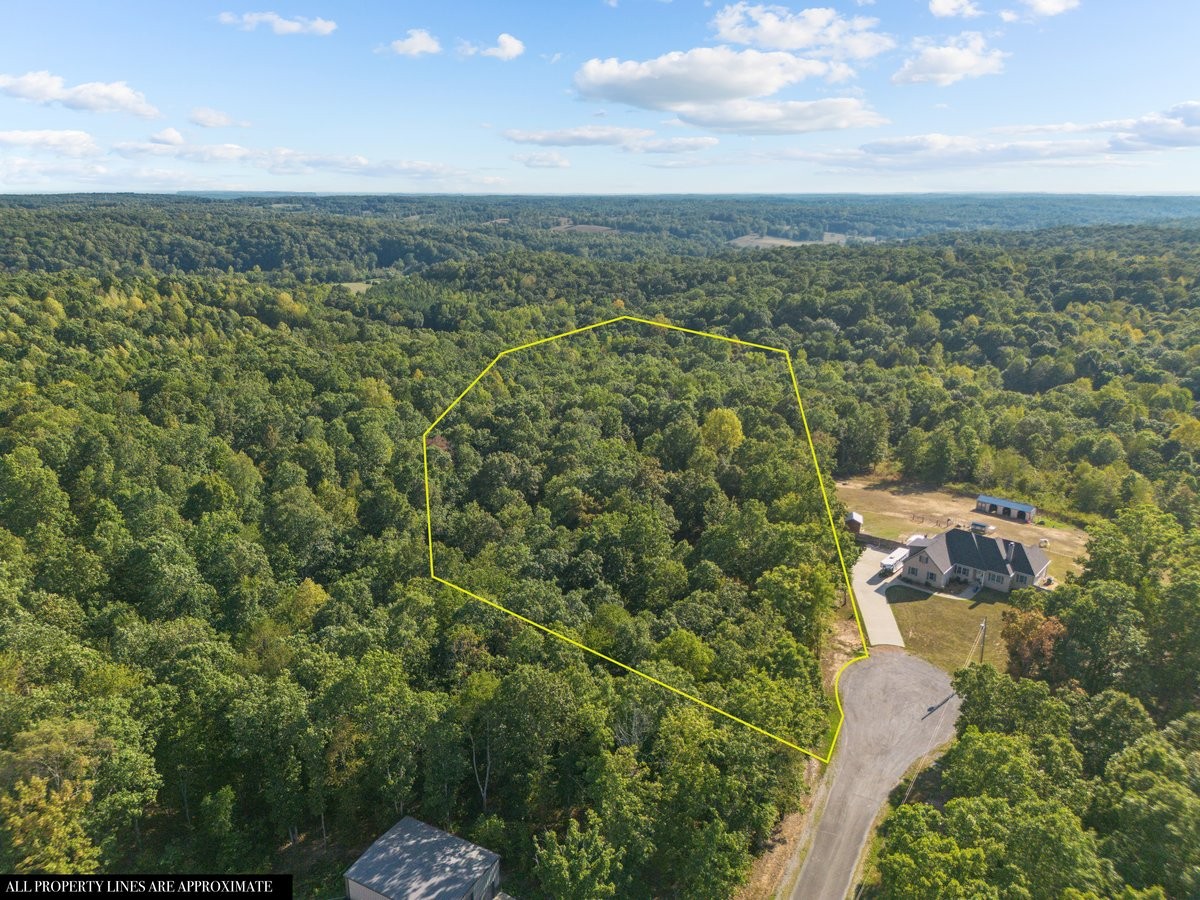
(569, 640)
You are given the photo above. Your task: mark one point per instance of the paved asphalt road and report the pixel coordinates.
(870, 591)
(898, 707)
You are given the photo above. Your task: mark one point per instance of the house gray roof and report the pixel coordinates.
(959, 547)
(1000, 501)
(1029, 560)
(419, 862)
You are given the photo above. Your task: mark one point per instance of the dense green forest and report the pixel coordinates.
(352, 237)
(220, 648)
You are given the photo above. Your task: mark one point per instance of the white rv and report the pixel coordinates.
(894, 561)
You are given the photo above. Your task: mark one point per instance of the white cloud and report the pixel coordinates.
(820, 30)
(1176, 127)
(63, 143)
(278, 24)
(1050, 7)
(940, 151)
(702, 75)
(636, 140)
(965, 56)
(170, 136)
(1112, 142)
(673, 145)
(418, 42)
(584, 135)
(720, 88)
(206, 117)
(548, 159)
(17, 170)
(947, 8)
(507, 47)
(694, 162)
(286, 161)
(1035, 9)
(1063, 127)
(781, 117)
(205, 153)
(95, 96)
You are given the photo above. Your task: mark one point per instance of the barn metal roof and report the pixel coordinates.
(416, 861)
(1000, 501)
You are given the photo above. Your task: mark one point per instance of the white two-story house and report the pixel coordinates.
(961, 555)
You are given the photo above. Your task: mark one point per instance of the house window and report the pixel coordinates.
(1020, 579)
(962, 570)
(929, 577)
(912, 570)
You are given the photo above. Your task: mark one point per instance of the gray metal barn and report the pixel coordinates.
(1006, 509)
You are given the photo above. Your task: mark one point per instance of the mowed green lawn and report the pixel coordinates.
(943, 629)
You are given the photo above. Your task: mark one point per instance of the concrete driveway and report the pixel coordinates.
(870, 589)
(898, 708)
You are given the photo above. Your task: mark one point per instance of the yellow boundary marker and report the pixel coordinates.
(574, 643)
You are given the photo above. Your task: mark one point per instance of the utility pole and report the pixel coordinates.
(983, 642)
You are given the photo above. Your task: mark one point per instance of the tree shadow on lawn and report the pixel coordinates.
(926, 788)
(987, 597)
(902, 593)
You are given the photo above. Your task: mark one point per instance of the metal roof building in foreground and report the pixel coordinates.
(415, 861)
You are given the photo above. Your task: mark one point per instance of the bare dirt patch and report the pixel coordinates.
(586, 229)
(896, 509)
(843, 643)
(768, 870)
(773, 872)
(763, 240)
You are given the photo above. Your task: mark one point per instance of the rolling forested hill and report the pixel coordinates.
(220, 648)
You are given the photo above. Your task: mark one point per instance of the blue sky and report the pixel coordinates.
(602, 96)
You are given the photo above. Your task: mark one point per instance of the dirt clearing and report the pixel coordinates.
(763, 240)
